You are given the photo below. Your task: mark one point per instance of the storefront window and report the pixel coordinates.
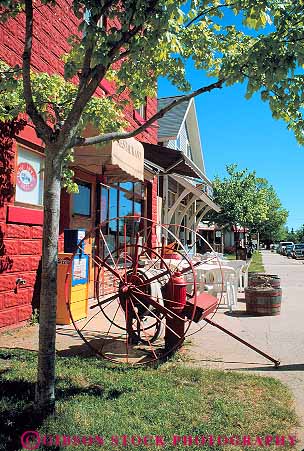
(29, 177)
(121, 199)
(82, 200)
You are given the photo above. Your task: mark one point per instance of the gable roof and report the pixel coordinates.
(170, 124)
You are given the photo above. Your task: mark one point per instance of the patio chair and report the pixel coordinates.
(238, 266)
(222, 280)
(245, 275)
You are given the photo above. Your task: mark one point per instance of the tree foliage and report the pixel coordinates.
(273, 228)
(242, 202)
(156, 38)
(297, 236)
(248, 201)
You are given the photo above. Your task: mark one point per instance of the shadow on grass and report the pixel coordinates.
(17, 412)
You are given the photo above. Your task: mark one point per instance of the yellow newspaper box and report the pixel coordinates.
(75, 286)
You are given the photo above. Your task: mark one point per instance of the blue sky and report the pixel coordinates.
(236, 130)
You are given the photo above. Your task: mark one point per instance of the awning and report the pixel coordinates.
(121, 160)
(172, 161)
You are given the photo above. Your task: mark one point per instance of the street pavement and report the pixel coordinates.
(280, 336)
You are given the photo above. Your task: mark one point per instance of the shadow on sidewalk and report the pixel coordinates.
(242, 314)
(281, 368)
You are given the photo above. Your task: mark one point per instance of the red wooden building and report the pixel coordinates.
(21, 164)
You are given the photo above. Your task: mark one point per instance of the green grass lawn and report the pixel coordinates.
(256, 264)
(230, 256)
(95, 398)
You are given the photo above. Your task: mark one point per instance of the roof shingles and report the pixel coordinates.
(170, 123)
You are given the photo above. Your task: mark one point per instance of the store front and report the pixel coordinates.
(112, 184)
(121, 200)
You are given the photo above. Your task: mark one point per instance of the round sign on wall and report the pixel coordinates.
(26, 177)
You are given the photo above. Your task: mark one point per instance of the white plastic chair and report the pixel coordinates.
(222, 280)
(238, 266)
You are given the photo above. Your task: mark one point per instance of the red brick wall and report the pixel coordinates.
(52, 27)
(20, 258)
(20, 244)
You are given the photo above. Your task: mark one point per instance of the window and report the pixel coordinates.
(29, 177)
(121, 199)
(188, 146)
(82, 200)
(142, 111)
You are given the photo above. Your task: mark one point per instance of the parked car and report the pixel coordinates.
(288, 249)
(298, 250)
(282, 246)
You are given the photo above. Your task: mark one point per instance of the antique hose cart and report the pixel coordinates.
(147, 293)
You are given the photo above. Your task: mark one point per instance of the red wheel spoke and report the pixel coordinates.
(107, 247)
(104, 301)
(90, 319)
(111, 323)
(136, 256)
(140, 321)
(155, 316)
(155, 297)
(156, 277)
(125, 248)
(153, 264)
(127, 329)
(107, 266)
(158, 306)
(108, 331)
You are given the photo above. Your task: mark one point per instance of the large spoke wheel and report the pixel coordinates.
(135, 306)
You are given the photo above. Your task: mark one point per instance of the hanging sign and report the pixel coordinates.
(26, 177)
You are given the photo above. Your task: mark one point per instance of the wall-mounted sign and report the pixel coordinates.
(26, 177)
(29, 177)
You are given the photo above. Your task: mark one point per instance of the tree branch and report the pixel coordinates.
(86, 68)
(69, 128)
(43, 130)
(123, 135)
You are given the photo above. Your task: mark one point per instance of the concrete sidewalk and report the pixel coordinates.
(280, 336)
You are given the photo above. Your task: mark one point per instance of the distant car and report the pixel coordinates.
(298, 251)
(282, 246)
(288, 249)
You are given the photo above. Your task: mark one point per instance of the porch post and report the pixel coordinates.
(166, 205)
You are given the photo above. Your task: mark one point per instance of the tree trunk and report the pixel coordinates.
(236, 242)
(45, 388)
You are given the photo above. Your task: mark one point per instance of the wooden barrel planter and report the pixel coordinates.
(263, 300)
(260, 279)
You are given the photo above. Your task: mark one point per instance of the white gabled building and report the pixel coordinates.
(185, 200)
